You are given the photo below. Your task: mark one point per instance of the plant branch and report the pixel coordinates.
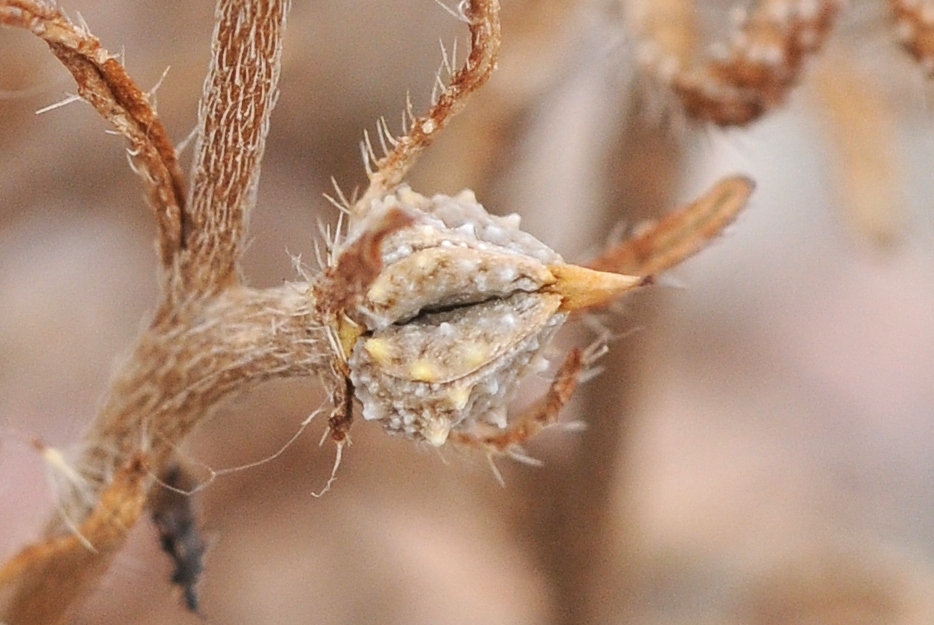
(47, 579)
(484, 20)
(680, 235)
(914, 23)
(240, 92)
(105, 85)
(179, 371)
(756, 71)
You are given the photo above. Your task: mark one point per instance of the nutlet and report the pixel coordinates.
(462, 308)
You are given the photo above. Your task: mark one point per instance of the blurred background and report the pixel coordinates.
(760, 446)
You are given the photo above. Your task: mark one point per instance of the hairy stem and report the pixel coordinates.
(49, 578)
(240, 92)
(484, 19)
(181, 369)
(104, 84)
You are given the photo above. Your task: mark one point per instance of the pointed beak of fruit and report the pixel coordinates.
(582, 288)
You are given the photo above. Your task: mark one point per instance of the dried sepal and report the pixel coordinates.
(104, 83)
(536, 418)
(450, 277)
(581, 288)
(359, 263)
(453, 318)
(390, 170)
(661, 245)
(756, 71)
(45, 580)
(453, 369)
(914, 24)
(453, 253)
(341, 417)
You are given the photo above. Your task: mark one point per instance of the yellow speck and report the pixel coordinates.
(379, 291)
(424, 259)
(459, 396)
(436, 431)
(379, 349)
(348, 332)
(423, 371)
(474, 354)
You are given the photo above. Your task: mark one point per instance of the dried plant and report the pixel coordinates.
(752, 75)
(737, 82)
(427, 312)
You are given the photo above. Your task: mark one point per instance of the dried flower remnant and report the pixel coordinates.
(459, 314)
(172, 512)
(459, 306)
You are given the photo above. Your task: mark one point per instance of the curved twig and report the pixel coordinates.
(176, 375)
(484, 20)
(49, 578)
(179, 372)
(104, 84)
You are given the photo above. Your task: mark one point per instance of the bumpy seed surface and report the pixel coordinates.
(458, 315)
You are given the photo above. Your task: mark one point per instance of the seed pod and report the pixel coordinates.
(458, 315)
